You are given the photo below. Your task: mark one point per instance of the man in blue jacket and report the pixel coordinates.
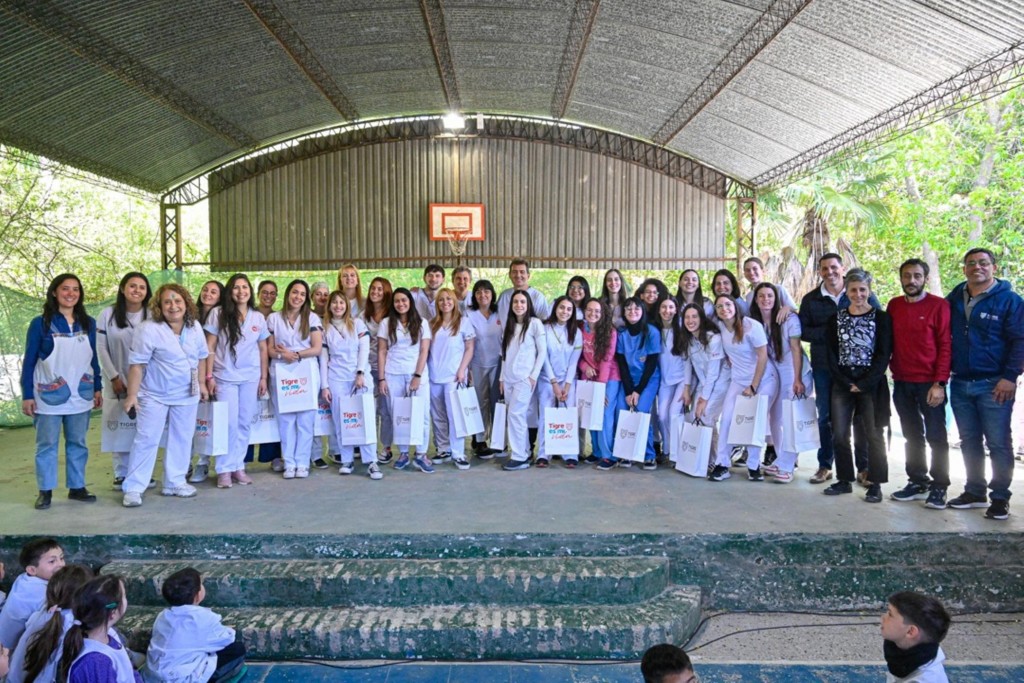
(987, 322)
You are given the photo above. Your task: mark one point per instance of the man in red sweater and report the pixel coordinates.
(922, 349)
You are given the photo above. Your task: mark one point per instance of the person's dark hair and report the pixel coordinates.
(924, 612)
(51, 308)
(229, 323)
(698, 295)
(60, 594)
(182, 587)
(683, 339)
(34, 550)
(519, 262)
(652, 309)
(859, 275)
(980, 250)
(583, 283)
(262, 284)
(510, 324)
(93, 605)
(910, 262)
(370, 309)
(624, 292)
(664, 660)
(433, 268)
(413, 321)
(204, 312)
(774, 329)
(121, 303)
(753, 259)
(733, 282)
(570, 326)
(603, 330)
(304, 309)
(829, 256)
(483, 284)
(737, 325)
(644, 321)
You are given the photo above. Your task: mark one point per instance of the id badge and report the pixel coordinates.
(194, 389)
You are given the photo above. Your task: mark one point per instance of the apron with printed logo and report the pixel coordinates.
(64, 380)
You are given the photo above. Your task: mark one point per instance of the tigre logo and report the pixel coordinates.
(741, 419)
(112, 425)
(626, 433)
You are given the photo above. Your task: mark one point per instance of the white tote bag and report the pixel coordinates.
(324, 423)
(693, 449)
(590, 402)
(800, 425)
(118, 429)
(498, 426)
(749, 421)
(264, 424)
(297, 386)
(211, 437)
(561, 433)
(631, 435)
(467, 418)
(357, 419)
(407, 415)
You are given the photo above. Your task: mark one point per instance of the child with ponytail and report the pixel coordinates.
(93, 650)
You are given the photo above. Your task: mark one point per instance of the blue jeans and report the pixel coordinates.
(76, 453)
(602, 440)
(823, 402)
(644, 405)
(978, 415)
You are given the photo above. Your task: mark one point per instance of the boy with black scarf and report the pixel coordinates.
(913, 625)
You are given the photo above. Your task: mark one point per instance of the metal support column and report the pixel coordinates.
(746, 224)
(170, 236)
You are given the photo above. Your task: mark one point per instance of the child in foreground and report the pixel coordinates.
(189, 643)
(913, 625)
(41, 558)
(667, 663)
(93, 651)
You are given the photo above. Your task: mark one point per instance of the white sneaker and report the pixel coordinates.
(277, 464)
(289, 473)
(183, 491)
(132, 500)
(346, 468)
(373, 470)
(199, 474)
(461, 463)
(301, 472)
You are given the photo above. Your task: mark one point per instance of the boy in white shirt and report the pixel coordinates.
(189, 643)
(913, 625)
(41, 558)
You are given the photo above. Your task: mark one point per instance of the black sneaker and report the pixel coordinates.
(591, 459)
(936, 499)
(516, 465)
(966, 501)
(874, 494)
(720, 473)
(755, 475)
(385, 456)
(320, 464)
(739, 456)
(999, 509)
(838, 488)
(650, 465)
(910, 492)
(769, 455)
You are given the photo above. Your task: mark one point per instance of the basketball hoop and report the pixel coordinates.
(457, 241)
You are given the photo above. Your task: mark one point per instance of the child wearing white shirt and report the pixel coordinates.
(41, 558)
(190, 644)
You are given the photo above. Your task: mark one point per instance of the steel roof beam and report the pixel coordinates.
(584, 14)
(433, 17)
(762, 32)
(47, 18)
(291, 42)
(987, 79)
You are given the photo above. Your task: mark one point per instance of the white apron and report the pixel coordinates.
(63, 380)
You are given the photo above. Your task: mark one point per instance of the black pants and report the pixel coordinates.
(921, 422)
(845, 405)
(229, 661)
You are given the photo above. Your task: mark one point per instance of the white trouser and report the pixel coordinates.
(243, 404)
(669, 406)
(385, 426)
(519, 399)
(546, 399)
(367, 452)
(398, 387)
(485, 382)
(441, 412)
(786, 460)
(769, 387)
(296, 437)
(181, 427)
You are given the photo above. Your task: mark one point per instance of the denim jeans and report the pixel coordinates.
(76, 453)
(921, 422)
(823, 402)
(602, 440)
(978, 415)
(845, 405)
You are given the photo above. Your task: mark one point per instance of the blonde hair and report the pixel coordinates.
(359, 283)
(346, 317)
(157, 313)
(438, 322)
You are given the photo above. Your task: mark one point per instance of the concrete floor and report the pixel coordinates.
(481, 500)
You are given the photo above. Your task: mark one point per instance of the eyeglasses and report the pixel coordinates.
(575, 288)
(983, 263)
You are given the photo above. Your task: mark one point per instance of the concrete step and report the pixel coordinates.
(454, 631)
(405, 582)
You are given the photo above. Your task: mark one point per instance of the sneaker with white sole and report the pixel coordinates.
(301, 472)
(783, 477)
(289, 473)
(199, 474)
(771, 470)
(346, 468)
(373, 471)
(132, 500)
(910, 492)
(183, 491)
(402, 462)
(461, 463)
(277, 465)
(720, 473)
(423, 464)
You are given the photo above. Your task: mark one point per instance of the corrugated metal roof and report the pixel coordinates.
(151, 92)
